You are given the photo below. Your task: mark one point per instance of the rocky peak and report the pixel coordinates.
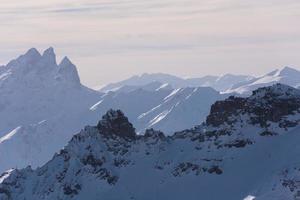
(276, 91)
(67, 71)
(32, 54)
(221, 110)
(151, 133)
(114, 122)
(31, 57)
(49, 56)
(267, 104)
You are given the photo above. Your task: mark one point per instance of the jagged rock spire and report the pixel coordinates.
(49, 56)
(68, 72)
(114, 122)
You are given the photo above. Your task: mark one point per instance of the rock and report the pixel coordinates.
(114, 122)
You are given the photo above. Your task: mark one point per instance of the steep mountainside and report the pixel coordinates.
(42, 104)
(248, 147)
(287, 75)
(164, 109)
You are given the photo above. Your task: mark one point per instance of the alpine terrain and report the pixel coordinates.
(43, 103)
(247, 148)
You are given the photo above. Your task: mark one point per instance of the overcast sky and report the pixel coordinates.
(110, 40)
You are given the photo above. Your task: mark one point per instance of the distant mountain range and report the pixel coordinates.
(164, 109)
(43, 104)
(287, 75)
(219, 83)
(228, 83)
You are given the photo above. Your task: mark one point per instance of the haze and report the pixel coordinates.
(109, 40)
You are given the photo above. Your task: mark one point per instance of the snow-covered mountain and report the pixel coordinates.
(287, 75)
(219, 83)
(164, 109)
(34, 87)
(248, 148)
(42, 104)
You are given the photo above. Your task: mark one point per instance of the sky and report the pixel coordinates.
(110, 40)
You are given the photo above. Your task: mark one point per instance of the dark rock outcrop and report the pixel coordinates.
(267, 104)
(114, 122)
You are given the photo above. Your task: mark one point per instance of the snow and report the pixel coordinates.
(219, 83)
(48, 105)
(10, 134)
(159, 117)
(246, 174)
(44, 101)
(195, 90)
(250, 198)
(267, 79)
(5, 175)
(148, 112)
(162, 86)
(95, 106)
(173, 93)
(287, 75)
(62, 106)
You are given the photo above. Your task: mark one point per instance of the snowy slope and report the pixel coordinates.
(164, 109)
(221, 83)
(287, 75)
(241, 151)
(42, 104)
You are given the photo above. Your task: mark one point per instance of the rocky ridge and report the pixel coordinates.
(111, 159)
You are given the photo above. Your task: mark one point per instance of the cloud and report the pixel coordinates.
(155, 35)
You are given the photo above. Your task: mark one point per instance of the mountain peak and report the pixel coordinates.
(114, 122)
(277, 90)
(29, 58)
(66, 61)
(49, 56)
(288, 71)
(33, 52)
(67, 71)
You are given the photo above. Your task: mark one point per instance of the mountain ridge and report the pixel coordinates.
(210, 156)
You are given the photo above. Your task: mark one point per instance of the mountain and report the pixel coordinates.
(248, 148)
(42, 104)
(287, 75)
(221, 83)
(164, 109)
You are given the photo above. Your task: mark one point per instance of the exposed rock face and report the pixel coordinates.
(112, 162)
(114, 122)
(268, 104)
(151, 133)
(222, 110)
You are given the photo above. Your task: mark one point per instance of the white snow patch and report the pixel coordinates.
(146, 113)
(174, 92)
(4, 75)
(5, 175)
(250, 197)
(95, 106)
(267, 79)
(195, 90)
(9, 135)
(162, 86)
(43, 121)
(159, 117)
